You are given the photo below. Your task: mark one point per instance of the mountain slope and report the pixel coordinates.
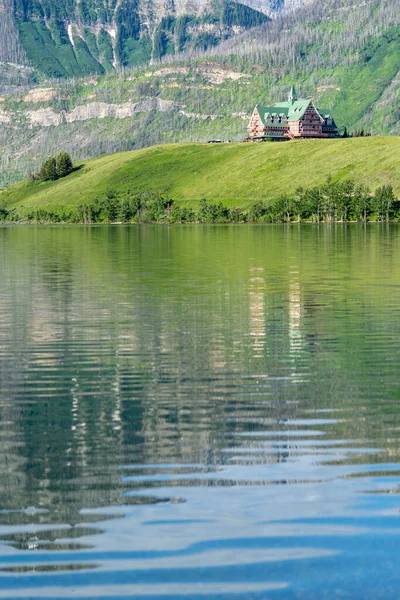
(80, 37)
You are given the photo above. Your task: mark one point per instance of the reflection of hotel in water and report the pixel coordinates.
(289, 315)
(295, 316)
(259, 300)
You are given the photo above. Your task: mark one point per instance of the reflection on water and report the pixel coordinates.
(200, 412)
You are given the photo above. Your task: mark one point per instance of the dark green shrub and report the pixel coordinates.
(158, 209)
(182, 215)
(236, 216)
(129, 209)
(212, 213)
(257, 212)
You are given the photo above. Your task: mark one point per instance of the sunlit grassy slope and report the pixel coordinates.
(237, 174)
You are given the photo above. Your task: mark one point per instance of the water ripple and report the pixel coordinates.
(199, 412)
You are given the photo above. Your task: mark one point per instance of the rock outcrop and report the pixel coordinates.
(101, 110)
(36, 95)
(44, 117)
(5, 117)
(48, 117)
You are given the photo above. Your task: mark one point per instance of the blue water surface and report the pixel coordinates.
(200, 412)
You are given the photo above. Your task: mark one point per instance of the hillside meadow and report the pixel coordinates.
(236, 174)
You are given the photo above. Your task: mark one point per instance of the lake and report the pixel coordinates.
(200, 412)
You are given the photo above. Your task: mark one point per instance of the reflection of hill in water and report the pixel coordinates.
(128, 346)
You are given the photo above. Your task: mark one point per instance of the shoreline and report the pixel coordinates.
(5, 225)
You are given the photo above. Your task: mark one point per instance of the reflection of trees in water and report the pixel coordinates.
(154, 345)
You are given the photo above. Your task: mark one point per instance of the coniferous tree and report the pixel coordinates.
(64, 164)
(48, 170)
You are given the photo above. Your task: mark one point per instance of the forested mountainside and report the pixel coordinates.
(343, 53)
(64, 38)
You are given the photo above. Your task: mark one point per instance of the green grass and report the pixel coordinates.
(237, 174)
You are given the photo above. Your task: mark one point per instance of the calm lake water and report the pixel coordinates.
(200, 412)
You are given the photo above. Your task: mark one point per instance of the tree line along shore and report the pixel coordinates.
(332, 201)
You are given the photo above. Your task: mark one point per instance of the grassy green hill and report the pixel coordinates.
(237, 174)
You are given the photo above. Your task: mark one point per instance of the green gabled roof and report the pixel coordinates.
(293, 110)
(264, 111)
(297, 109)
